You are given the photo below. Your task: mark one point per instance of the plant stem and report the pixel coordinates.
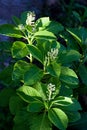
(44, 115)
(30, 43)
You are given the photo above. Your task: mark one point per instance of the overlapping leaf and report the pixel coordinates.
(10, 30)
(58, 118)
(19, 49)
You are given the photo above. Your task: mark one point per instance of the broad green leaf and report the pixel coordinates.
(45, 45)
(42, 22)
(35, 106)
(69, 104)
(23, 117)
(31, 121)
(22, 120)
(40, 122)
(10, 30)
(28, 94)
(67, 57)
(79, 34)
(65, 91)
(36, 53)
(81, 124)
(58, 118)
(68, 76)
(63, 101)
(16, 20)
(53, 27)
(73, 116)
(70, 41)
(54, 69)
(30, 29)
(19, 69)
(83, 73)
(19, 49)
(75, 36)
(33, 75)
(46, 35)
(41, 88)
(5, 95)
(15, 104)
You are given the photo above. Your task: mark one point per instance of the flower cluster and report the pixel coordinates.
(21, 27)
(51, 56)
(30, 18)
(50, 90)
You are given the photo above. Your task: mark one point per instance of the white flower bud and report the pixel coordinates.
(50, 89)
(52, 54)
(30, 18)
(21, 27)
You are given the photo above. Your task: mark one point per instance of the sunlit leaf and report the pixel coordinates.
(10, 30)
(58, 118)
(19, 50)
(28, 94)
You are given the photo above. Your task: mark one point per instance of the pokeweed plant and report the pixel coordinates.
(42, 96)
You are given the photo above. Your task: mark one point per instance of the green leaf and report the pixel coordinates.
(54, 69)
(67, 103)
(33, 75)
(22, 120)
(70, 41)
(63, 101)
(75, 36)
(65, 91)
(45, 45)
(19, 69)
(10, 30)
(41, 22)
(22, 117)
(16, 20)
(79, 34)
(58, 118)
(80, 124)
(25, 120)
(35, 106)
(46, 35)
(40, 122)
(67, 57)
(28, 94)
(73, 116)
(19, 49)
(83, 73)
(53, 27)
(15, 104)
(68, 76)
(36, 53)
(41, 88)
(5, 95)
